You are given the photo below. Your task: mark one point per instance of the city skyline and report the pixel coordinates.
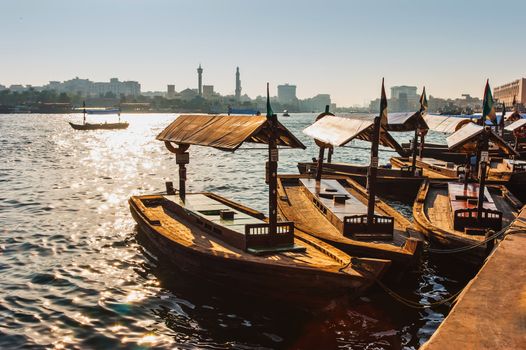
(411, 43)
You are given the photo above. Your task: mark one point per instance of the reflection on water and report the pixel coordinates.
(75, 277)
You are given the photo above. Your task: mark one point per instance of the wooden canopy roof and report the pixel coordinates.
(338, 131)
(406, 121)
(466, 138)
(225, 132)
(445, 124)
(516, 125)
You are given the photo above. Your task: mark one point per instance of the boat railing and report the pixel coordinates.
(357, 226)
(519, 167)
(468, 218)
(407, 170)
(258, 235)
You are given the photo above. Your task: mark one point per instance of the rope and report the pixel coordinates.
(468, 247)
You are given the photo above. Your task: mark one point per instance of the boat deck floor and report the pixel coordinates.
(308, 218)
(438, 209)
(209, 208)
(182, 231)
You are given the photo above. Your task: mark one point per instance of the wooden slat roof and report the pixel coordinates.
(338, 131)
(224, 132)
(465, 139)
(444, 124)
(516, 124)
(406, 121)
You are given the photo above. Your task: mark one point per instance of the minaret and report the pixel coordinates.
(238, 85)
(200, 80)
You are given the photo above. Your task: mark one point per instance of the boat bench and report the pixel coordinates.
(463, 201)
(345, 211)
(234, 227)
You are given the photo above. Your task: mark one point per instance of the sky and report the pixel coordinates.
(342, 48)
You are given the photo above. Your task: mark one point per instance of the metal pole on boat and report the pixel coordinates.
(272, 168)
(371, 174)
(484, 159)
(84, 112)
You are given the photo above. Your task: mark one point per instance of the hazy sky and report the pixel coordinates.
(343, 48)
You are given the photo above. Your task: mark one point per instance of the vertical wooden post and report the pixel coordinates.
(181, 158)
(371, 174)
(415, 146)
(272, 175)
(84, 112)
(329, 154)
(319, 169)
(421, 148)
(482, 173)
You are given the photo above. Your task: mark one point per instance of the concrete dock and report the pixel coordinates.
(491, 311)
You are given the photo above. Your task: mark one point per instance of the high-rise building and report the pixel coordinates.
(287, 94)
(403, 99)
(170, 91)
(200, 81)
(514, 90)
(238, 85)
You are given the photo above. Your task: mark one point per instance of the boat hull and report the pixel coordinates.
(299, 286)
(442, 235)
(99, 126)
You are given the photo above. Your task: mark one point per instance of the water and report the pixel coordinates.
(75, 277)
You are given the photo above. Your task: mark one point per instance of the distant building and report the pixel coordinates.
(507, 92)
(170, 91)
(200, 80)
(2, 87)
(238, 85)
(17, 88)
(188, 94)
(403, 99)
(316, 104)
(87, 88)
(287, 94)
(208, 91)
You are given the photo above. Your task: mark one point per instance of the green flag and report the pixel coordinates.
(270, 112)
(423, 101)
(488, 108)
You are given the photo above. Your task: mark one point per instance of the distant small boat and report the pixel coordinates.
(286, 113)
(101, 126)
(106, 126)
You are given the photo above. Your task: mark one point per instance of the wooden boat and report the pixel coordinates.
(99, 126)
(400, 183)
(395, 183)
(235, 246)
(339, 211)
(446, 213)
(461, 216)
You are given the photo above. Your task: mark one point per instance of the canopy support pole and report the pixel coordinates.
(415, 147)
(319, 168)
(421, 147)
(371, 174)
(482, 174)
(272, 176)
(182, 158)
(329, 154)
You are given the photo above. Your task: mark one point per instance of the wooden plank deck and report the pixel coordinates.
(209, 209)
(326, 189)
(491, 311)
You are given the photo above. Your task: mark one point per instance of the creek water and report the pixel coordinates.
(74, 275)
